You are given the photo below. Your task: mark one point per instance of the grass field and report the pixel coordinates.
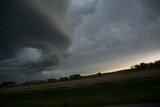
(111, 89)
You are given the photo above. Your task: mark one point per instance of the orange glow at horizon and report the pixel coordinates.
(148, 59)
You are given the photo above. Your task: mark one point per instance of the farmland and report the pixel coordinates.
(123, 87)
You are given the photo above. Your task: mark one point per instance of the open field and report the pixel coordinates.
(138, 105)
(110, 89)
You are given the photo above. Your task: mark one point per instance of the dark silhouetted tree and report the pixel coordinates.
(63, 79)
(75, 76)
(51, 80)
(146, 66)
(8, 84)
(98, 74)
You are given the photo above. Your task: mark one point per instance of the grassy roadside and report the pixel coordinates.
(146, 89)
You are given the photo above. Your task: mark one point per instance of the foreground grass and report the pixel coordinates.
(141, 90)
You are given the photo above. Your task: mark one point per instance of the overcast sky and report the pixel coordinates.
(42, 39)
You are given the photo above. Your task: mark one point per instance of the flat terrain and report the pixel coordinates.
(124, 87)
(108, 77)
(138, 105)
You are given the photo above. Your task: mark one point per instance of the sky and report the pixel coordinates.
(42, 39)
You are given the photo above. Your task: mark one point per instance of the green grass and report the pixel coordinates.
(109, 93)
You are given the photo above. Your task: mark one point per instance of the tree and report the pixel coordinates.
(98, 74)
(51, 80)
(63, 79)
(8, 83)
(135, 66)
(75, 76)
(146, 66)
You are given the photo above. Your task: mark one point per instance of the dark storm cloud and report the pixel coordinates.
(107, 34)
(60, 6)
(23, 26)
(28, 27)
(154, 4)
(152, 8)
(113, 33)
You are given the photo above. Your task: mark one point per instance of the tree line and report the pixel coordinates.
(139, 67)
(52, 80)
(147, 66)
